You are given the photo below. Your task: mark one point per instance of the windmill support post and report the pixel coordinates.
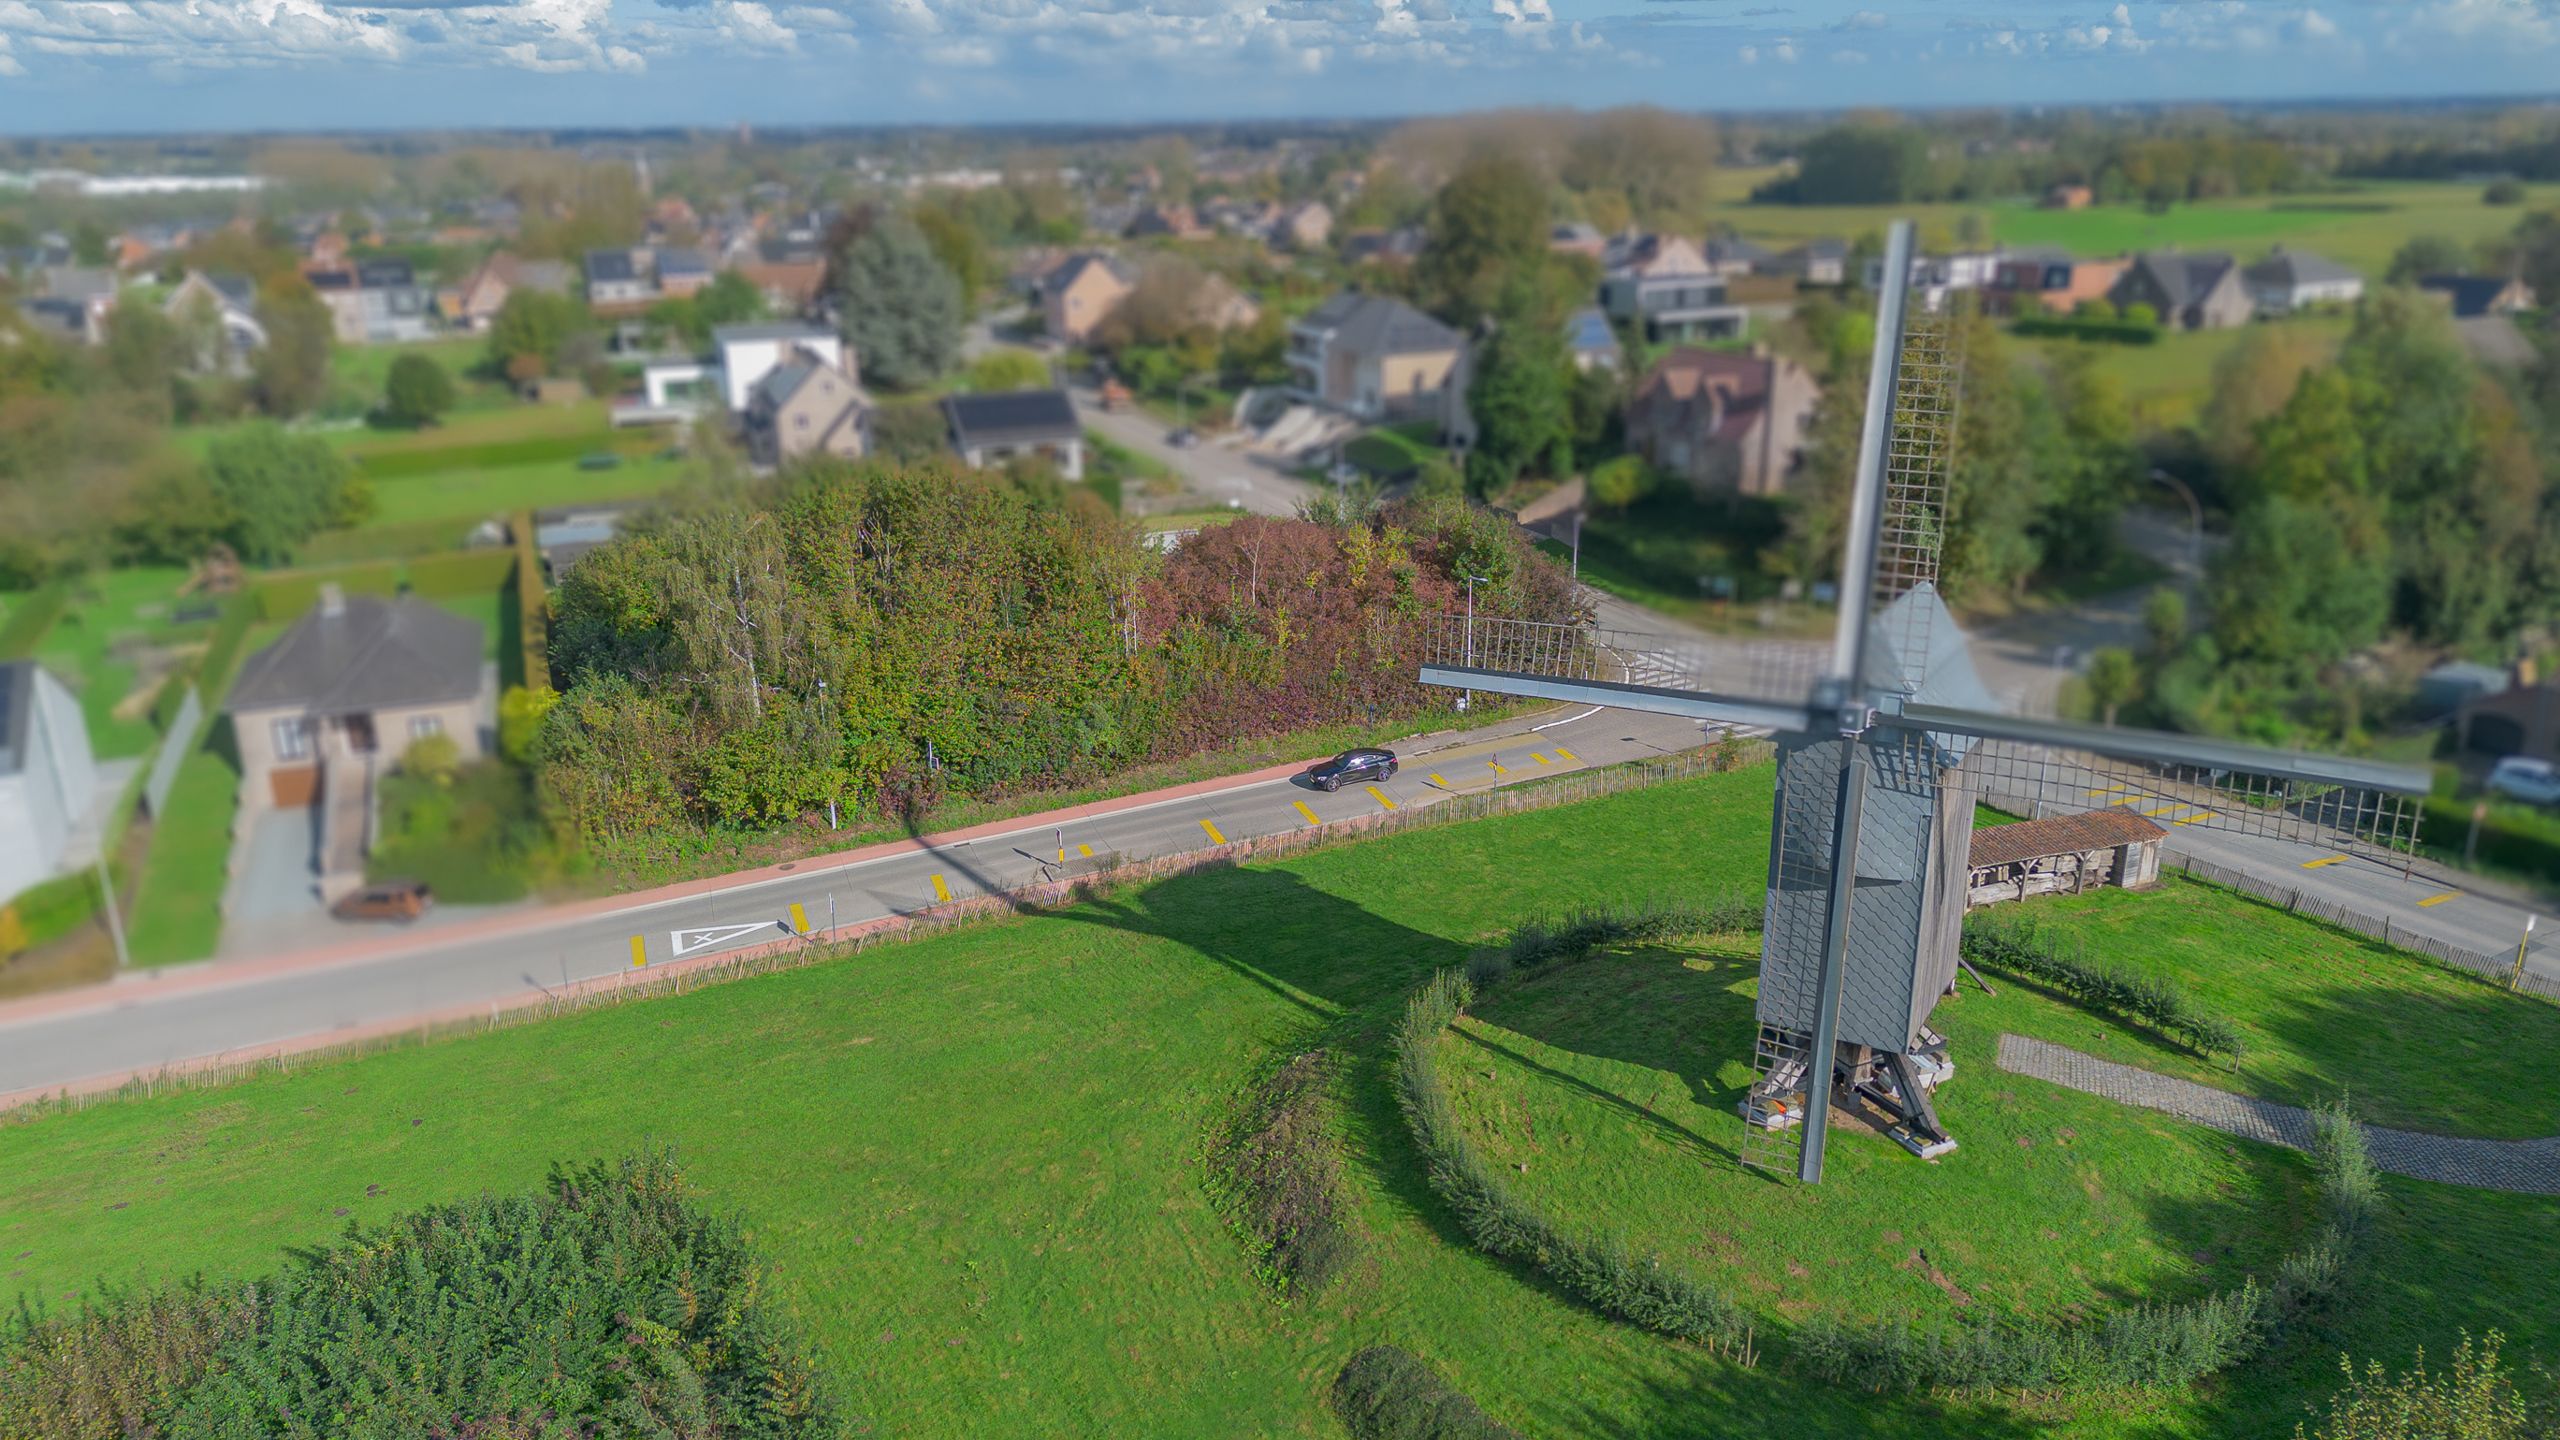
(1835, 958)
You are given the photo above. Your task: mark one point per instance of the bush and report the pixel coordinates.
(520, 713)
(2478, 1400)
(1287, 1178)
(1602, 1272)
(607, 1304)
(417, 392)
(1388, 1393)
(2513, 837)
(1577, 933)
(222, 652)
(473, 835)
(2503, 192)
(433, 758)
(2127, 331)
(2016, 947)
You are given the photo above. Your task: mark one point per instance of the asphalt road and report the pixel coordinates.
(142, 1024)
(1220, 474)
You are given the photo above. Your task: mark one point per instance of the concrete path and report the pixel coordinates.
(2524, 1167)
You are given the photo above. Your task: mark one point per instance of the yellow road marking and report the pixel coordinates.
(1497, 767)
(2199, 815)
(1214, 837)
(639, 952)
(2110, 790)
(1380, 796)
(1436, 780)
(1085, 850)
(2439, 899)
(940, 890)
(799, 919)
(1569, 755)
(1309, 814)
(2165, 809)
(1534, 755)
(2324, 860)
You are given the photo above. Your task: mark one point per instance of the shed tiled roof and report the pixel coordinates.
(2059, 835)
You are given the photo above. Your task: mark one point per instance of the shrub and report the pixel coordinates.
(1287, 1178)
(610, 1303)
(2077, 326)
(2478, 1400)
(288, 596)
(1388, 1393)
(474, 836)
(1602, 1272)
(2014, 945)
(520, 714)
(2502, 192)
(432, 758)
(417, 391)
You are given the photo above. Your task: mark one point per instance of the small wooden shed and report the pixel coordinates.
(2062, 854)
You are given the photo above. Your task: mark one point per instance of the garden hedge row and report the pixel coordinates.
(2017, 947)
(2117, 332)
(608, 1304)
(2525, 842)
(1388, 1393)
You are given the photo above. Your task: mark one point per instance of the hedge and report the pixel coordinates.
(33, 615)
(1603, 1272)
(290, 594)
(2018, 948)
(1280, 1164)
(469, 572)
(607, 1304)
(1387, 1393)
(222, 651)
(533, 611)
(2147, 1346)
(2523, 841)
(2118, 332)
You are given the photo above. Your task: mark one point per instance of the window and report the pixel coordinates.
(422, 726)
(293, 739)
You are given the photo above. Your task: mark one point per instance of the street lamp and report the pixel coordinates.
(2195, 518)
(831, 799)
(1466, 698)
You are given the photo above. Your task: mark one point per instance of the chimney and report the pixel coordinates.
(1759, 349)
(333, 601)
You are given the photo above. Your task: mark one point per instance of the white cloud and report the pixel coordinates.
(2121, 16)
(1848, 57)
(2480, 24)
(1748, 54)
(750, 25)
(1784, 52)
(1523, 12)
(1861, 20)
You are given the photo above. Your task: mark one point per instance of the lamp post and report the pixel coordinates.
(2517, 979)
(831, 799)
(2195, 517)
(1466, 698)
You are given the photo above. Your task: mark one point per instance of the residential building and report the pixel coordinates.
(1376, 358)
(2202, 291)
(82, 296)
(1382, 247)
(1591, 340)
(1577, 237)
(1176, 222)
(618, 280)
(789, 286)
(1084, 288)
(2473, 296)
(683, 272)
(219, 313)
(2048, 282)
(1303, 228)
(745, 354)
(1220, 306)
(1934, 278)
(2068, 197)
(1731, 255)
(1727, 422)
(806, 406)
(475, 303)
(1819, 261)
(319, 714)
(48, 778)
(64, 321)
(995, 429)
(2291, 280)
(1663, 286)
(376, 302)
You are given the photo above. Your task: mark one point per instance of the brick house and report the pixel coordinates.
(2203, 291)
(1727, 423)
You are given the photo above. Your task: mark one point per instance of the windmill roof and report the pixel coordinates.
(2058, 835)
(1939, 668)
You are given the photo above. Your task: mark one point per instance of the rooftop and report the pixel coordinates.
(1379, 325)
(2059, 835)
(369, 653)
(1012, 417)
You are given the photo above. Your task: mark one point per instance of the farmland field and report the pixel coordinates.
(976, 1160)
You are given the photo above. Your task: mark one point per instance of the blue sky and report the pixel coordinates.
(68, 65)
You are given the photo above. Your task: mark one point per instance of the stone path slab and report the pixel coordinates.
(2524, 1167)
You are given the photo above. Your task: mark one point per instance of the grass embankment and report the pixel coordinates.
(974, 1160)
(1658, 552)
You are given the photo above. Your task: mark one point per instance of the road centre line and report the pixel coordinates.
(2324, 860)
(2440, 899)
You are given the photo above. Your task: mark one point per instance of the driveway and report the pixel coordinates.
(1217, 473)
(273, 900)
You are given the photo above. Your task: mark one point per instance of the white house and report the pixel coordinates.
(2290, 280)
(48, 777)
(1935, 277)
(745, 354)
(991, 429)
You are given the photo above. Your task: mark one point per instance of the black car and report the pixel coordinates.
(1351, 766)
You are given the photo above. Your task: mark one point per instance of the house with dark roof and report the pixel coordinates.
(1375, 358)
(1000, 427)
(616, 280)
(1576, 237)
(475, 303)
(805, 406)
(2201, 291)
(218, 315)
(2473, 296)
(2048, 282)
(376, 302)
(1823, 260)
(48, 777)
(1727, 423)
(683, 272)
(1591, 341)
(1733, 255)
(339, 697)
(2291, 280)
(1664, 286)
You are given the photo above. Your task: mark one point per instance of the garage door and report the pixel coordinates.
(299, 785)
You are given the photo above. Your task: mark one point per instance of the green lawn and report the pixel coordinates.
(101, 648)
(357, 372)
(974, 1161)
(467, 493)
(2167, 381)
(177, 906)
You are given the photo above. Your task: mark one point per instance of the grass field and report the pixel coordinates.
(2361, 225)
(2167, 381)
(99, 648)
(462, 494)
(177, 905)
(357, 373)
(975, 1160)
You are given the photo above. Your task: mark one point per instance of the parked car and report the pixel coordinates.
(401, 900)
(1185, 438)
(2523, 778)
(1351, 766)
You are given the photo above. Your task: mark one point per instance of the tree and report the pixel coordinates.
(1008, 370)
(1488, 229)
(2502, 192)
(432, 758)
(2302, 583)
(521, 711)
(730, 299)
(282, 489)
(1519, 402)
(2088, 476)
(1621, 482)
(957, 245)
(902, 309)
(291, 371)
(530, 333)
(173, 515)
(1862, 164)
(2425, 255)
(2164, 623)
(416, 393)
(910, 431)
(2114, 682)
(2252, 381)
(144, 352)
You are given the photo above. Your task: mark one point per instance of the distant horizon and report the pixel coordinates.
(158, 67)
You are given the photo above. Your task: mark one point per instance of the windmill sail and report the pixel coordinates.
(1887, 740)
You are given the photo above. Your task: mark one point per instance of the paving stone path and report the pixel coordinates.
(2526, 1167)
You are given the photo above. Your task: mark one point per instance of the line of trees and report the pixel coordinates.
(1885, 161)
